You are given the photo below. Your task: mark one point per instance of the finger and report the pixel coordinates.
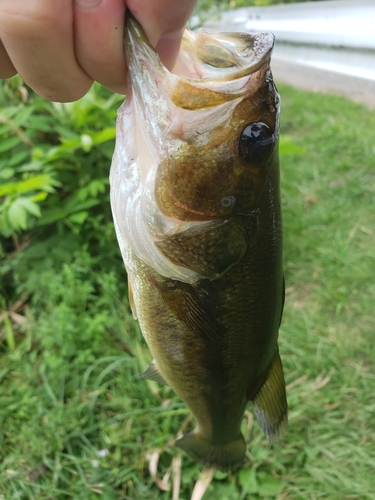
(6, 67)
(164, 22)
(38, 37)
(99, 41)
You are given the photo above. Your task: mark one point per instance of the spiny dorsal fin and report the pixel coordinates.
(270, 405)
(152, 373)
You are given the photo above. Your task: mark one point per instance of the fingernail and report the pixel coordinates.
(88, 4)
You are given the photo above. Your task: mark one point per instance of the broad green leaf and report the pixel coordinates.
(64, 210)
(43, 182)
(70, 144)
(93, 188)
(4, 129)
(67, 133)
(9, 188)
(51, 215)
(6, 173)
(23, 115)
(30, 206)
(10, 111)
(79, 217)
(104, 135)
(220, 475)
(39, 197)
(7, 144)
(248, 481)
(18, 210)
(17, 215)
(18, 158)
(41, 123)
(31, 167)
(5, 229)
(269, 485)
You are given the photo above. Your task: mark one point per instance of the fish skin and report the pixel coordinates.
(200, 230)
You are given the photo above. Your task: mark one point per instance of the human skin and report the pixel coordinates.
(61, 47)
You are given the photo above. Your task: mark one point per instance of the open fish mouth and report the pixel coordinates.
(219, 62)
(207, 56)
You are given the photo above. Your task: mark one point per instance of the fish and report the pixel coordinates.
(195, 196)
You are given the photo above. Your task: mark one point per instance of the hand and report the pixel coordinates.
(60, 47)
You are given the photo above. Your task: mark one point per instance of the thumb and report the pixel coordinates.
(168, 48)
(164, 22)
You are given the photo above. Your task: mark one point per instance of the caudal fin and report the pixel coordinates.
(270, 406)
(223, 457)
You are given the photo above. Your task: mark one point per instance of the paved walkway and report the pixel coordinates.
(320, 46)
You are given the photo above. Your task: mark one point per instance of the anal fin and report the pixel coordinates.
(152, 373)
(270, 405)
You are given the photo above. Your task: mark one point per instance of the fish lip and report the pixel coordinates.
(261, 44)
(265, 38)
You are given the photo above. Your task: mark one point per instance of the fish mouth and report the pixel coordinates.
(223, 56)
(203, 56)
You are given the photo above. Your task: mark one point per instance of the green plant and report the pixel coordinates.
(54, 162)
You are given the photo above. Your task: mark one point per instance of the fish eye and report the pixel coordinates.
(256, 142)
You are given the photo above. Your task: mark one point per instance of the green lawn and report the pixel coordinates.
(77, 422)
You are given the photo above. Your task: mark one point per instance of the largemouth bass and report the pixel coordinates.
(196, 205)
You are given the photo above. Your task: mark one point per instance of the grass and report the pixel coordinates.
(77, 422)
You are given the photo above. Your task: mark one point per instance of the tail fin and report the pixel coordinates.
(270, 406)
(223, 457)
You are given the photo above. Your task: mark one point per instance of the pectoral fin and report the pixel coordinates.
(184, 301)
(270, 405)
(131, 299)
(152, 373)
(209, 252)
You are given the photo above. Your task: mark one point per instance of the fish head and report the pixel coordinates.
(210, 125)
(195, 144)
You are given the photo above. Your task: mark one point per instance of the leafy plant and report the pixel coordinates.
(54, 164)
(53, 157)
